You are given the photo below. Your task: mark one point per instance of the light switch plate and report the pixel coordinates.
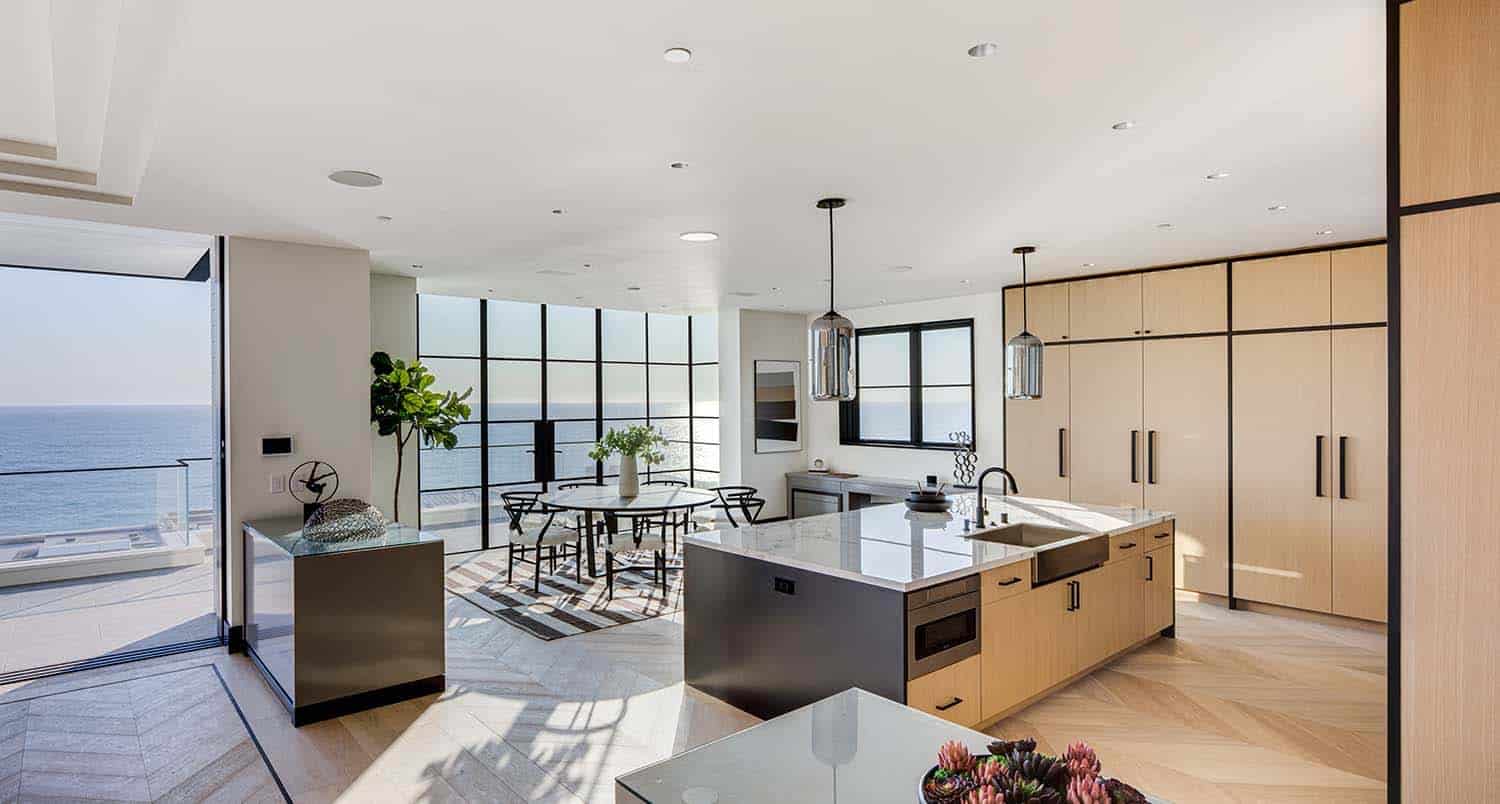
(278, 483)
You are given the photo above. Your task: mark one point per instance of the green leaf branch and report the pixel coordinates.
(639, 440)
(402, 404)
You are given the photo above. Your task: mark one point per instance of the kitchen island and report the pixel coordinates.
(929, 610)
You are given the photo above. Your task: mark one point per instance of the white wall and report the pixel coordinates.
(297, 361)
(393, 329)
(766, 336)
(729, 395)
(989, 393)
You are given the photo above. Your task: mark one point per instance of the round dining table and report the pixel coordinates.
(606, 502)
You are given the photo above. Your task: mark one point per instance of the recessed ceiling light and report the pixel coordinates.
(355, 178)
(677, 55)
(1163, 225)
(880, 301)
(633, 288)
(678, 165)
(699, 237)
(963, 281)
(588, 265)
(554, 272)
(383, 218)
(900, 269)
(662, 307)
(1276, 208)
(557, 212)
(491, 290)
(1088, 265)
(983, 49)
(775, 290)
(1123, 125)
(1216, 176)
(577, 298)
(744, 294)
(1325, 232)
(416, 266)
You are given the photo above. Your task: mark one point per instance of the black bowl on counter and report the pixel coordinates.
(928, 502)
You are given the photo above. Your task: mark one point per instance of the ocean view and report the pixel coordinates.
(81, 437)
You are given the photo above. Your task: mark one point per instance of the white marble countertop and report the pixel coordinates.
(891, 547)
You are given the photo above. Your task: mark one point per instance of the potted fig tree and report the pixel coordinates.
(402, 404)
(638, 442)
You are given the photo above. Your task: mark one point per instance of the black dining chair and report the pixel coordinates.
(679, 520)
(648, 532)
(533, 528)
(744, 499)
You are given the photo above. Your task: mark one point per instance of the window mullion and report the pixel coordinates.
(914, 359)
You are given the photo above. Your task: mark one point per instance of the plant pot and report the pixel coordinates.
(630, 479)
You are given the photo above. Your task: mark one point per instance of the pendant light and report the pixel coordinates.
(1023, 353)
(830, 339)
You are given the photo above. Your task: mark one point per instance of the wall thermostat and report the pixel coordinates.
(277, 445)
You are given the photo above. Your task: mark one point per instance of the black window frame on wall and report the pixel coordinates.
(544, 440)
(849, 434)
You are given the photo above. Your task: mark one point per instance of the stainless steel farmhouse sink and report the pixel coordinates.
(1060, 551)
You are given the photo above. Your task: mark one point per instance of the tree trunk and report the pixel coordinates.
(396, 500)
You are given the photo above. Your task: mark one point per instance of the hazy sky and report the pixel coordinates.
(82, 339)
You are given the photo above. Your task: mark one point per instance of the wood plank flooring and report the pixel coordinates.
(1240, 708)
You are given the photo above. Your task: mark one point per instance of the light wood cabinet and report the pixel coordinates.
(1003, 582)
(1105, 449)
(1186, 391)
(1185, 300)
(1359, 473)
(1282, 446)
(1046, 312)
(1036, 431)
(1157, 597)
(1290, 291)
(1011, 633)
(1096, 615)
(1107, 307)
(1056, 651)
(1124, 545)
(1358, 285)
(951, 693)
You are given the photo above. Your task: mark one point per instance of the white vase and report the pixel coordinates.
(630, 479)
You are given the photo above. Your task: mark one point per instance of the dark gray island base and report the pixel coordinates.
(768, 638)
(341, 627)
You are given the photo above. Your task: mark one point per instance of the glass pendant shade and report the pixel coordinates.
(830, 342)
(1023, 367)
(1023, 353)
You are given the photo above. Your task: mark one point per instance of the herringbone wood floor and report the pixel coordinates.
(1241, 707)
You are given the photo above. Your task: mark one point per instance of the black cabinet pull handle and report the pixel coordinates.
(1011, 582)
(1077, 595)
(1135, 436)
(949, 705)
(1163, 535)
(1343, 467)
(1071, 607)
(1127, 545)
(1061, 433)
(1150, 456)
(1150, 568)
(1318, 466)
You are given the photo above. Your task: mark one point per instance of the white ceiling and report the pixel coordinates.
(483, 121)
(38, 242)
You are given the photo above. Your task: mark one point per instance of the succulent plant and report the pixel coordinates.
(1048, 771)
(1121, 793)
(1028, 791)
(954, 757)
(989, 771)
(1082, 761)
(946, 788)
(1005, 747)
(985, 795)
(1087, 790)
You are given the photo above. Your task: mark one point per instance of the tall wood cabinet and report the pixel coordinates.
(1136, 410)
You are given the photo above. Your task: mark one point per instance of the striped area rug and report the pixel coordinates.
(564, 607)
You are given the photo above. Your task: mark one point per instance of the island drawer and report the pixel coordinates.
(951, 693)
(1158, 536)
(1003, 582)
(1128, 545)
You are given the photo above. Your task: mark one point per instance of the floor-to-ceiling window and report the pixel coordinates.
(109, 530)
(548, 381)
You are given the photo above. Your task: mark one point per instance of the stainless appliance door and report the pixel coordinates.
(942, 633)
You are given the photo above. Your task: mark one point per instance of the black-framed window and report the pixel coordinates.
(548, 381)
(914, 385)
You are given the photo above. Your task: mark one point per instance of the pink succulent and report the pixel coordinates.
(986, 795)
(988, 770)
(955, 758)
(1082, 761)
(1087, 790)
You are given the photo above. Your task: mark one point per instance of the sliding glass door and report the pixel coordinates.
(549, 381)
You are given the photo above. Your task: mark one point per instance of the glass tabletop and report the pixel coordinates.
(608, 499)
(286, 533)
(853, 747)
